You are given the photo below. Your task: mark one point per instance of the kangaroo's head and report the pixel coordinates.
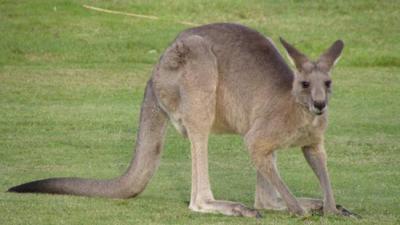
(312, 84)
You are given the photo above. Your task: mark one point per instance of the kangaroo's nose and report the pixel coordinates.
(319, 105)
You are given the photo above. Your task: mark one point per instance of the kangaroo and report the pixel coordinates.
(228, 78)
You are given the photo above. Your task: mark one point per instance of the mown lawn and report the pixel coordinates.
(72, 79)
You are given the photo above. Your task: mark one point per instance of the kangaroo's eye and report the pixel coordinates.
(328, 83)
(305, 84)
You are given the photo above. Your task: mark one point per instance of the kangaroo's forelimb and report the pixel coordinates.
(316, 158)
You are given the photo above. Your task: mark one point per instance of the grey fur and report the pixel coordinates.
(227, 78)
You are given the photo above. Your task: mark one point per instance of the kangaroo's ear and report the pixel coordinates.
(331, 56)
(298, 59)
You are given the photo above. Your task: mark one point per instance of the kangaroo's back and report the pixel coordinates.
(251, 72)
(244, 53)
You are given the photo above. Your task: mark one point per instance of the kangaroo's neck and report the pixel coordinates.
(294, 125)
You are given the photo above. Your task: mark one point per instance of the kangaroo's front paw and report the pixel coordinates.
(344, 212)
(340, 211)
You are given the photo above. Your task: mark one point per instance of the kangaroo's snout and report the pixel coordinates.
(319, 105)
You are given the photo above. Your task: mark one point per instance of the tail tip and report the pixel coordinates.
(13, 189)
(22, 188)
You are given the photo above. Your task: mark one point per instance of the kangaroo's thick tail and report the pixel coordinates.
(149, 144)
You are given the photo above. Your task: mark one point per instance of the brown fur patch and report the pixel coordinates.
(158, 148)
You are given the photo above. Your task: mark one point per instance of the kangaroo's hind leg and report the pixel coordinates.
(187, 80)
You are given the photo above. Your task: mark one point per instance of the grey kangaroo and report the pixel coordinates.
(227, 78)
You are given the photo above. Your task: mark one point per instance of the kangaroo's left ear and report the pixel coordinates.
(331, 56)
(297, 58)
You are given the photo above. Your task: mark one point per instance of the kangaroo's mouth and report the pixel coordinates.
(318, 112)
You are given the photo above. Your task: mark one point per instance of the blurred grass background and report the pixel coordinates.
(72, 80)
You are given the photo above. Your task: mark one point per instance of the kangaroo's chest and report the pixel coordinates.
(304, 135)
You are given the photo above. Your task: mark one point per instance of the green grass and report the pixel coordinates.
(71, 83)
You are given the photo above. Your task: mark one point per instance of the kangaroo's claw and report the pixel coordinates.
(345, 212)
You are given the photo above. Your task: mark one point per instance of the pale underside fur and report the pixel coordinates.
(227, 78)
